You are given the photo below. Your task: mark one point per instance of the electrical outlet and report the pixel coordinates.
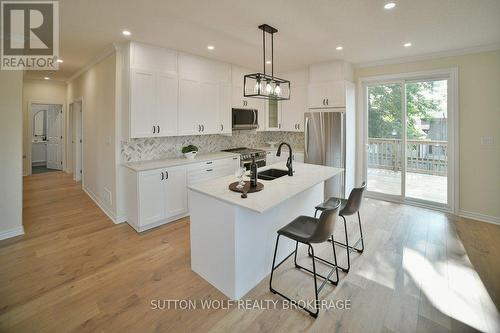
(487, 140)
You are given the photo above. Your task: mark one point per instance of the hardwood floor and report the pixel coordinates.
(75, 270)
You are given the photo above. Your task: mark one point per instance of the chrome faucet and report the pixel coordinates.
(289, 160)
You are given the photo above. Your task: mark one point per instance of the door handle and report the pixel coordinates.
(154, 129)
(162, 176)
(254, 119)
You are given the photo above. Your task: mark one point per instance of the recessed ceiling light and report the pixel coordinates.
(389, 5)
(46, 78)
(407, 44)
(339, 48)
(211, 47)
(268, 62)
(60, 61)
(126, 33)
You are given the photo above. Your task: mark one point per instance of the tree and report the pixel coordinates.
(385, 109)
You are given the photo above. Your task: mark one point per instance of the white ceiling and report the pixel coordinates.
(309, 30)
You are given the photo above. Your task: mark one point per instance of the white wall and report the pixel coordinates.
(41, 91)
(479, 115)
(96, 87)
(11, 150)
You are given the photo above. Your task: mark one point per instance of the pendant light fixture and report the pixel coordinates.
(263, 85)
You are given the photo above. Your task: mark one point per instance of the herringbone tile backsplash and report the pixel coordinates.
(158, 148)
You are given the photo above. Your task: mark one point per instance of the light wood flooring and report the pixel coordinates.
(74, 270)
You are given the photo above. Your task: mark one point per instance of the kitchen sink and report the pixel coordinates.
(271, 174)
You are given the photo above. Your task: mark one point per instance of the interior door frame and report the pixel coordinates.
(29, 136)
(78, 100)
(451, 74)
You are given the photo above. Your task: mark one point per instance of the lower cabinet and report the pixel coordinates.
(159, 196)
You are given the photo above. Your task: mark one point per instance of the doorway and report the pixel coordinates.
(46, 138)
(409, 136)
(75, 125)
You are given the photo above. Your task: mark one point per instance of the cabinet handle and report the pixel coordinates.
(166, 174)
(235, 158)
(323, 101)
(298, 126)
(158, 128)
(203, 128)
(154, 129)
(279, 125)
(208, 170)
(209, 162)
(199, 128)
(162, 176)
(327, 101)
(221, 127)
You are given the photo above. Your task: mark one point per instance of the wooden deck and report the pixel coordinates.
(74, 270)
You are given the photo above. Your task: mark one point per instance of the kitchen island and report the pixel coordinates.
(232, 239)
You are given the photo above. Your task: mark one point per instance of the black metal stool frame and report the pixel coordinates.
(313, 272)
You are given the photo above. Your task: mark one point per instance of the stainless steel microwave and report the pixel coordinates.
(245, 119)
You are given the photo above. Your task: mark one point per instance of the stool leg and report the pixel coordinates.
(295, 257)
(361, 233)
(314, 314)
(347, 247)
(335, 260)
(272, 268)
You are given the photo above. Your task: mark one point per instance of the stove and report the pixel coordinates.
(247, 154)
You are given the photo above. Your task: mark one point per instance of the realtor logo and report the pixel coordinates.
(30, 35)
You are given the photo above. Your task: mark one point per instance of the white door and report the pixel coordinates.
(54, 138)
(77, 141)
(142, 104)
(293, 110)
(165, 116)
(317, 95)
(225, 109)
(152, 196)
(189, 107)
(175, 191)
(335, 94)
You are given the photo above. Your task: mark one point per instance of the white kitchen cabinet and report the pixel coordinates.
(198, 107)
(156, 196)
(175, 191)
(149, 91)
(292, 112)
(238, 101)
(327, 95)
(225, 121)
(273, 115)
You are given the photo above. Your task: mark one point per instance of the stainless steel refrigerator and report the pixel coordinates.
(329, 140)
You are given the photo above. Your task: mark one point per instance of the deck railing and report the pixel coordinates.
(423, 156)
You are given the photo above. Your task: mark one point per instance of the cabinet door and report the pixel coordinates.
(189, 107)
(335, 94)
(142, 103)
(151, 197)
(293, 110)
(237, 100)
(175, 191)
(225, 109)
(208, 111)
(317, 95)
(273, 112)
(166, 111)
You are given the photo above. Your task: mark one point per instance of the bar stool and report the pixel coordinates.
(348, 207)
(309, 230)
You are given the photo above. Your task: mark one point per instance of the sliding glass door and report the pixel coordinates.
(407, 140)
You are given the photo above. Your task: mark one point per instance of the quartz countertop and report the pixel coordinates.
(170, 162)
(275, 191)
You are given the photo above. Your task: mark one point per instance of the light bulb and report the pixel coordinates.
(268, 87)
(277, 90)
(257, 86)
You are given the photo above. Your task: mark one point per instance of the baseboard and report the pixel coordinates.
(112, 217)
(12, 233)
(479, 217)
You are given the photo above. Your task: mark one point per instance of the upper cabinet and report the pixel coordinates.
(150, 89)
(327, 84)
(204, 96)
(292, 110)
(239, 101)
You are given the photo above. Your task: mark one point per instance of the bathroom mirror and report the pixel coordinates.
(39, 123)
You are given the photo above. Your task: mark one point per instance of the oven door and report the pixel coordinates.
(244, 119)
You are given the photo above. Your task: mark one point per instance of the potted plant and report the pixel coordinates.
(189, 151)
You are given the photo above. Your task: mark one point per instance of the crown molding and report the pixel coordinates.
(101, 56)
(428, 56)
